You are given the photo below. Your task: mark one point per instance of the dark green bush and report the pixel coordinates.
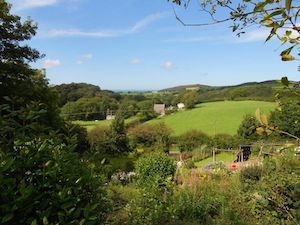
(191, 140)
(251, 173)
(199, 204)
(156, 137)
(44, 182)
(82, 142)
(189, 164)
(155, 168)
(223, 141)
(99, 140)
(247, 128)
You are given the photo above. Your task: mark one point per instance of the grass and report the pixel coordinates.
(102, 123)
(214, 117)
(221, 157)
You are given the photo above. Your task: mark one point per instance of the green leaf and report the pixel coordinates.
(45, 221)
(7, 217)
(269, 16)
(287, 51)
(259, 6)
(288, 32)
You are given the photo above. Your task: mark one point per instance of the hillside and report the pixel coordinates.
(214, 117)
(208, 87)
(260, 91)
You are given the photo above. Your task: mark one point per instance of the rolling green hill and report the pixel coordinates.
(258, 91)
(214, 117)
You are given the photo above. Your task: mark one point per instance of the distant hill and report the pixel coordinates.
(208, 87)
(245, 91)
(74, 91)
(187, 87)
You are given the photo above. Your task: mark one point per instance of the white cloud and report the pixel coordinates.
(83, 58)
(50, 63)
(78, 33)
(148, 20)
(134, 61)
(168, 65)
(107, 33)
(29, 4)
(87, 56)
(254, 36)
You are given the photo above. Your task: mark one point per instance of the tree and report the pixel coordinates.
(156, 136)
(287, 118)
(14, 57)
(118, 136)
(190, 99)
(280, 17)
(247, 128)
(19, 84)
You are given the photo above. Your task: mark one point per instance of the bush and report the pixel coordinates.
(189, 164)
(99, 140)
(199, 204)
(191, 140)
(80, 133)
(247, 128)
(157, 136)
(44, 182)
(287, 118)
(223, 141)
(251, 173)
(112, 140)
(275, 199)
(155, 168)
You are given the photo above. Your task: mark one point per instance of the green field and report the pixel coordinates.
(102, 123)
(222, 157)
(214, 117)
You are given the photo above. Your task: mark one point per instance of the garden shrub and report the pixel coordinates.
(149, 207)
(44, 182)
(189, 164)
(155, 168)
(275, 199)
(200, 204)
(251, 173)
(81, 135)
(99, 140)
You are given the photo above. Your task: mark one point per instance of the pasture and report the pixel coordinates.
(101, 123)
(214, 117)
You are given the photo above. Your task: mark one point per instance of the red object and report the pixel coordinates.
(233, 166)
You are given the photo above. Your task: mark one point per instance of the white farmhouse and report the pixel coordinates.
(180, 106)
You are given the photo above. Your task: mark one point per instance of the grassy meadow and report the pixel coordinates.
(91, 124)
(225, 157)
(102, 123)
(214, 117)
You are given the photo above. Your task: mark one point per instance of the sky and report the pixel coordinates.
(139, 45)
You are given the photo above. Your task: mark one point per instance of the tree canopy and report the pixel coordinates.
(280, 17)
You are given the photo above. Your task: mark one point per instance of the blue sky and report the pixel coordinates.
(139, 44)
